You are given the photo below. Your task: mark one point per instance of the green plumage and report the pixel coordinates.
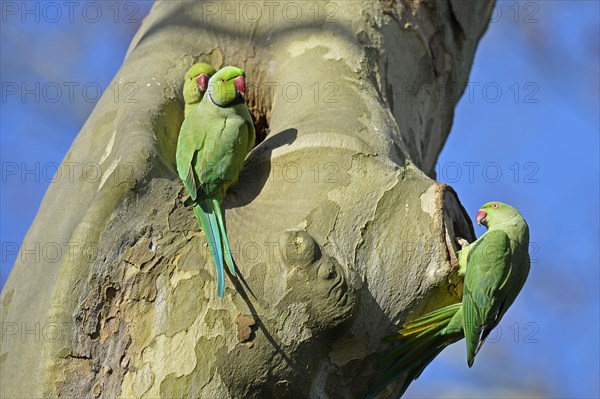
(213, 142)
(495, 268)
(194, 85)
(420, 341)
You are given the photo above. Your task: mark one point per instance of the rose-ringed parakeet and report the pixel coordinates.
(213, 141)
(495, 268)
(195, 84)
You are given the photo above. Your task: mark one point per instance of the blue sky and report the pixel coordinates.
(539, 152)
(526, 133)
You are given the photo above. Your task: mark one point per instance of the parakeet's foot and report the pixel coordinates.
(462, 242)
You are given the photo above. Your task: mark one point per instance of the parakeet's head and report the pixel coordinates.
(495, 212)
(196, 82)
(227, 86)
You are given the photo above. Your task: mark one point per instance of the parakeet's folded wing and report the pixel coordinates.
(223, 152)
(191, 140)
(489, 266)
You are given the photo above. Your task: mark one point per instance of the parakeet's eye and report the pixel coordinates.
(495, 205)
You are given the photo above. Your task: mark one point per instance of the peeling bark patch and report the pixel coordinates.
(298, 48)
(293, 324)
(321, 220)
(181, 218)
(344, 352)
(401, 246)
(8, 294)
(96, 372)
(358, 208)
(181, 306)
(108, 172)
(143, 381)
(427, 205)
(214, 317)
(244, 327)
(126, 293)
(165, 356)
(139, 254)
(109, 147)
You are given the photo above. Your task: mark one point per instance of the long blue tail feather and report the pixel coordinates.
(208, 222)
(227, 249)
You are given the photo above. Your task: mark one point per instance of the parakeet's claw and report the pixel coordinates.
(462, 242)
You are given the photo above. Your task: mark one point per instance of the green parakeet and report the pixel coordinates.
(213, 141)
(495, 268)
(195, 84)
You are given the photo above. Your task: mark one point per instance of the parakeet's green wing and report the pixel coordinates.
(189, 143)
(489, 266)
(223, 164)
(211, 149)
(223, 151)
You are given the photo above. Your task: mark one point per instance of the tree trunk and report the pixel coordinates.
(338, 229)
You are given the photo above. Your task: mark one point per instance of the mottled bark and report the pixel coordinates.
(338, 229)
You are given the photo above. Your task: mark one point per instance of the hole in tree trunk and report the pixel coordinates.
(261, 124)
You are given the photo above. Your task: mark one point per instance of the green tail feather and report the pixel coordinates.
(425, 321)
(421, 341)
(209, 223)
(227, 249)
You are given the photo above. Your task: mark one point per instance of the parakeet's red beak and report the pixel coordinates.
(202, 82)
(481, 217)
(240, 84)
